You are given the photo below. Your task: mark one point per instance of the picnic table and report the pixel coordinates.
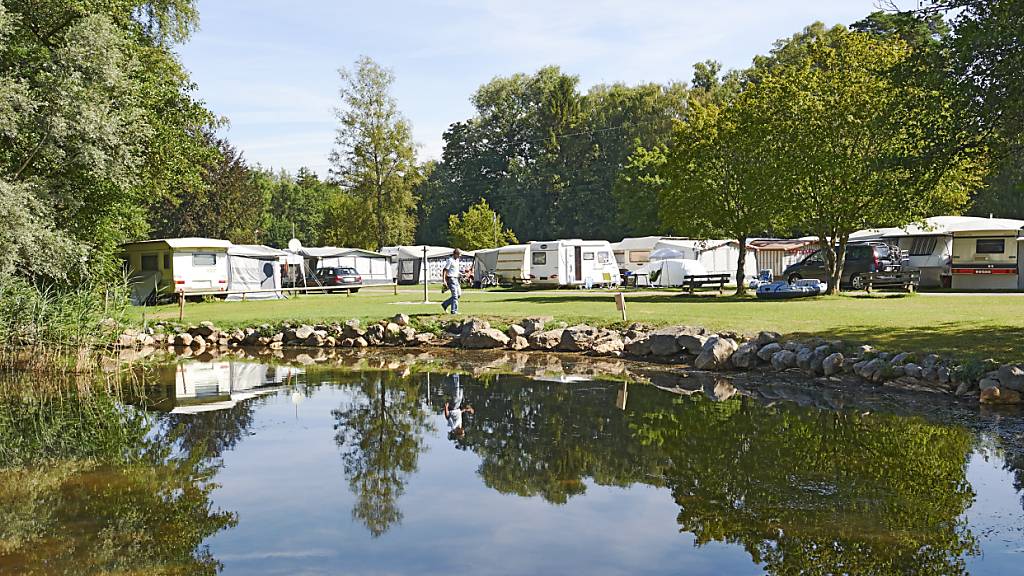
(700, 280)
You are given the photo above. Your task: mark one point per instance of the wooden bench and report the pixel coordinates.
(908, 280)
(701, 280)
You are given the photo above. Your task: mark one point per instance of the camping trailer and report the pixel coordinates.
(962, 252)
(573, 263)
(159, 268)
(254, 267)
(513, 265)
(632, 253)
(374, 267)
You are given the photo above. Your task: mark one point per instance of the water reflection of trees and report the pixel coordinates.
(380, 433)
(85, 489)
(802, 490)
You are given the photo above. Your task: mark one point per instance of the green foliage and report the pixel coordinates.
(479, 227)
(549, 159)
(859, 144)
(374, 157)
(57, 315)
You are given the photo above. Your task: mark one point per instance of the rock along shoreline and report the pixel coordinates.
(687, 346)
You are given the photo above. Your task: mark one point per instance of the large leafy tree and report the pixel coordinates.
(861, 144)
(479, 227)
(374, 158)
(97, 117)
(717, 177)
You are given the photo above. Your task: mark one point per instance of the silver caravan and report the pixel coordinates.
(573, 263)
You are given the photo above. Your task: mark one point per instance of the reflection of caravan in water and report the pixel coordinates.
(192, 387)
(573, 263)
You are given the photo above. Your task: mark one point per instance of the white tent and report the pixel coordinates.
(254, 267)
(374, 267)
(407, 261)
(485, 262)
(717, 256)
(670, 271)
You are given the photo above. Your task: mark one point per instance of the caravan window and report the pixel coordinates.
(540, 258)
(990, 246)
(603, 257)
(923, 245)
(639, 256)
(149, 263)
(199, 259)
(588, 255)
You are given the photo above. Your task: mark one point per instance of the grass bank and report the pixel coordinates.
(974, 325)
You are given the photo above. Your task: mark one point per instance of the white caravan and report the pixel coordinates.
(573, 263)
(513, 266)
(162, 267)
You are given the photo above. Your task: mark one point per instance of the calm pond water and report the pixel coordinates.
(249, 468)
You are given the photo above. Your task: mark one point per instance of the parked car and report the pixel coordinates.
(344, 277)
(861, 258)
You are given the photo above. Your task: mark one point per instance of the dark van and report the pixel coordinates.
(861, 258)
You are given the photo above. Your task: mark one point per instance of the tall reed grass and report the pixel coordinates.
(44, 327)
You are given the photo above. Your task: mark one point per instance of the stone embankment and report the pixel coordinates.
(689, 346)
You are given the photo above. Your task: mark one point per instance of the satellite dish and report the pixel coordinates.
(294, 245)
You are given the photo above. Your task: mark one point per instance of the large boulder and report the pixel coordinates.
(534, 324)
(998, 395)
(608, 342)
(638, 347)
(765, 338)
(303, 332)
(783, 359)
(205, 329)
(484, 338)
(471, 325)
(183, 340)
(804, 358)
(518, 343)
(577, 338)
(692, 343)
(401, 319)
(374, 335)
(716, 353)
(832, 364)
(351, 329)
(515, 330)
(913, 370)
(545, 339)
(745, 357)
(663, 342)
(766, 352)
(1011, 377)
(422, 339)
(392, 333)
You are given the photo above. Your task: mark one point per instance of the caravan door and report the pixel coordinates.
(578, 260)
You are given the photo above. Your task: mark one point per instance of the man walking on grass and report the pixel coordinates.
(450, 277)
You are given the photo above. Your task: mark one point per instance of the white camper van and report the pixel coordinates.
(573, 263)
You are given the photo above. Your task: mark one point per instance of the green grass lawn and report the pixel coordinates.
(975, 325)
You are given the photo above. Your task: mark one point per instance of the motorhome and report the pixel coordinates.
(161, 267)
(573, 263)
(960, 252)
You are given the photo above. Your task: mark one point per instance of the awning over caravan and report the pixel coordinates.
(254, 267)
(374, 267)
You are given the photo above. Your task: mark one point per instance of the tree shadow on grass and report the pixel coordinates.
(1003, 343)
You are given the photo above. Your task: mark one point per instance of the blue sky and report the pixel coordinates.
(270, 66)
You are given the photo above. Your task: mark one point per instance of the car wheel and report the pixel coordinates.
(794, 277)
(857, 282)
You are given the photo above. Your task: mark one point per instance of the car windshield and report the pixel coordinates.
(882, 251)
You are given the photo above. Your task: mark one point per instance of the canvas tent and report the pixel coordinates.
(485, 262)
(776, 254)
(374, 267)
(407, 261)
(717, 256)
(254, 267)
(670, 272)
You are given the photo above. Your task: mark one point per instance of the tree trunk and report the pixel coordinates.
(835, 268)
(741, 266)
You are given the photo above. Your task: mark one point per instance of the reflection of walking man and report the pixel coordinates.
(453, 411)
(450, 277)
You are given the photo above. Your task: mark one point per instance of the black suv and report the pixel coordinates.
(345, 277)
(861, 258)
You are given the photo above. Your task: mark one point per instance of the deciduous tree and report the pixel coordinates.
(479, 227)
